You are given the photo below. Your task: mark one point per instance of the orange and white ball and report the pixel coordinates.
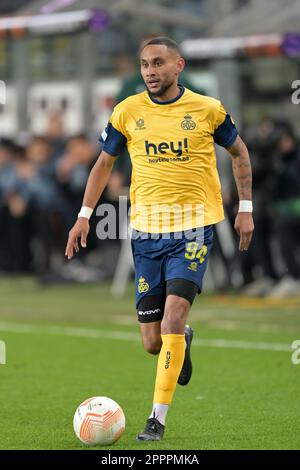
(99, 420)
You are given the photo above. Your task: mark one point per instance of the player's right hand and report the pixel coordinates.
(80, 230)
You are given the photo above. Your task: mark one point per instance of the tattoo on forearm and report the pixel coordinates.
(243, 176)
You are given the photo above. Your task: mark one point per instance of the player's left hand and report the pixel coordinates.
(244, 226)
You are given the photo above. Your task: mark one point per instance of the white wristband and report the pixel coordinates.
(85, 212)
(245, 206)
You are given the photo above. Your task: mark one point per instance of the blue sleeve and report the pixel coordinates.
(226, 133)
(112, 140)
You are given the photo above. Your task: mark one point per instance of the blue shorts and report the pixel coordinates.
(160, 259)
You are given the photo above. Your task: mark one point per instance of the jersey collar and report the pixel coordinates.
(182, 90)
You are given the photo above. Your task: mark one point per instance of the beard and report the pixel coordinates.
(162, 90)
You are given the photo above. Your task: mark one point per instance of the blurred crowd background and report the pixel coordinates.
(62, 80)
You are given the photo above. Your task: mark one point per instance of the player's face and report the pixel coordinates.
(160, 68)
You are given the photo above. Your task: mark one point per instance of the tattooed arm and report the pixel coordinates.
(241, 167)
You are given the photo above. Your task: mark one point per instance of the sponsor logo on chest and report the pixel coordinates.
(164, 147)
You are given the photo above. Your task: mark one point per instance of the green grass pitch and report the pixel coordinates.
(67, 343)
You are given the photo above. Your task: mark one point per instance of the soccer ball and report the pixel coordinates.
(99, 420)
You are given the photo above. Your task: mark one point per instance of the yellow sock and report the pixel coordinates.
(169, 365)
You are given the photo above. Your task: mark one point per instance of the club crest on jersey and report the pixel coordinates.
(143, 286)
(188, 124)
(193, 266)
(140, 124)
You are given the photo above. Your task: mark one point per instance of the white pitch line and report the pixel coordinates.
(127, 336)
(228, 343)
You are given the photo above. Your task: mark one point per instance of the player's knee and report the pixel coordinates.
(177, 309)
(175, 315)
(173, 323)
(152, 345)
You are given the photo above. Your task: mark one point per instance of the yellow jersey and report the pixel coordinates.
(175, 184)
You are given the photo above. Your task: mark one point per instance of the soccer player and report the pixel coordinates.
(175, 195)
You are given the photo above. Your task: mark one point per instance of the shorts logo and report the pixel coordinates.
(143, 286)
(168, 358)
(149, 312)
(188, 124)
(140, 124)
(193, 266)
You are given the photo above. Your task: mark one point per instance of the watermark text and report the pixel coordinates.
(150, 221)
(296, 354)
(2, 353)
(296, 93)
(2, 92)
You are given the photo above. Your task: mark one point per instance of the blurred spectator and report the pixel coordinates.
(49, 209)
(286, 193)
(125, 66)
(16, 228)
(56, 135)
(271, 266)
(72, 171)
(257, 264)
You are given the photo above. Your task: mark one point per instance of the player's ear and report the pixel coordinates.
(180, 64)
